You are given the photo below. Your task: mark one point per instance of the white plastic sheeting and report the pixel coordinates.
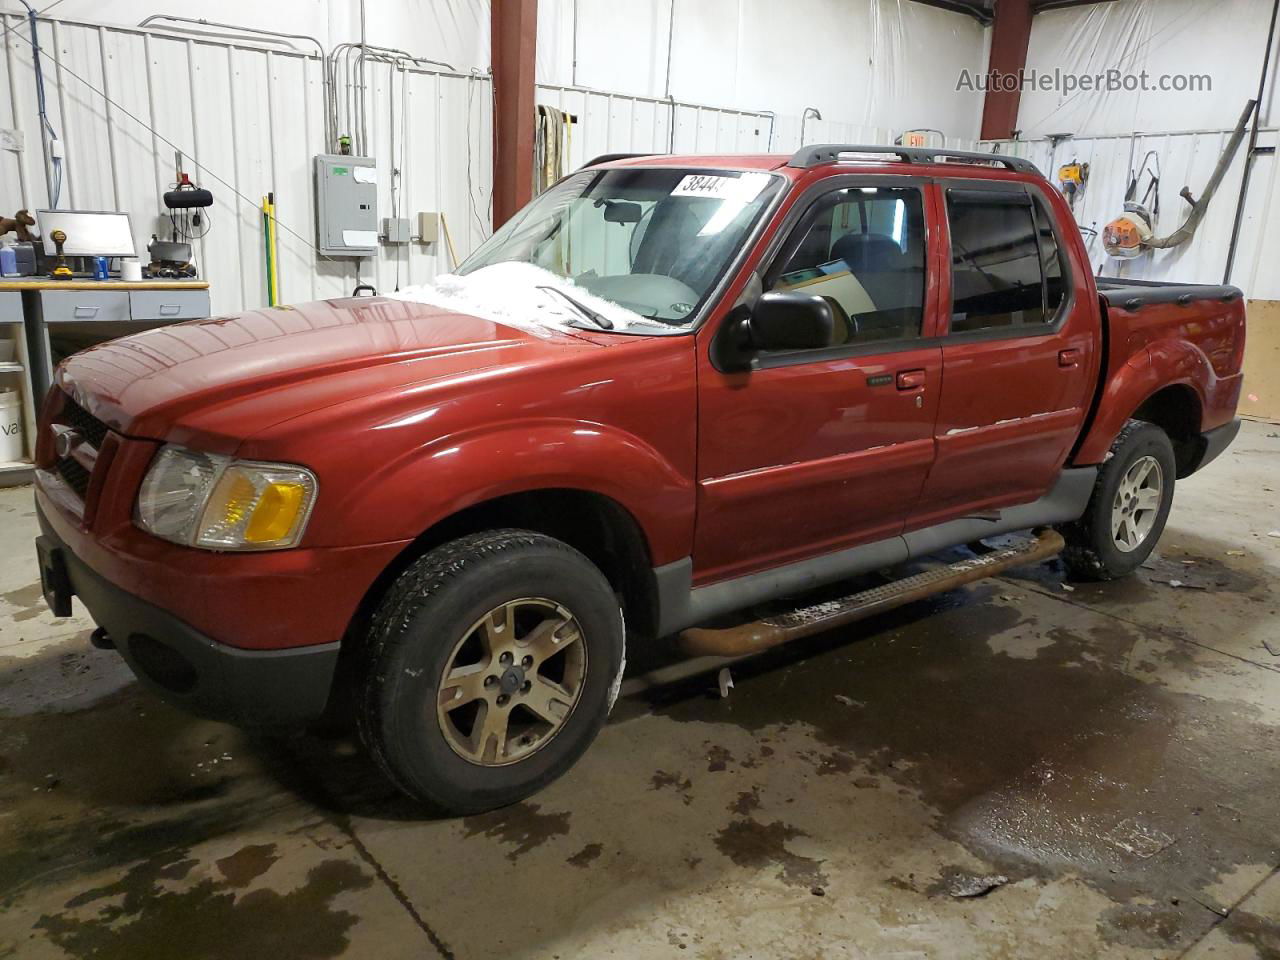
(1224, 40)
(1186, 159)
(887, 63)
(249, 122)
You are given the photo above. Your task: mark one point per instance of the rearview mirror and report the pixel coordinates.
(789, 320)
(620, 211)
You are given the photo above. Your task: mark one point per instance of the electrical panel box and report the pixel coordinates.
(346, 206)
(428, 227)
(395, 229)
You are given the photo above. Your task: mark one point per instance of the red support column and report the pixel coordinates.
(513, 35)
(1010, 33)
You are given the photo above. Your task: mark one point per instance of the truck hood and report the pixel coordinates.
(222, 379)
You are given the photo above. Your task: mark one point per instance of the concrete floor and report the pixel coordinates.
(1110, 750)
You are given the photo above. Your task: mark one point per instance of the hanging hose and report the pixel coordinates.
(1198, 207)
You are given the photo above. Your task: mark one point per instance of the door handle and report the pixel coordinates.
(910, 379)
(1069, 357)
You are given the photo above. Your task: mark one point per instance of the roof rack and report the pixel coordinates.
(610, 157)
(822, 153)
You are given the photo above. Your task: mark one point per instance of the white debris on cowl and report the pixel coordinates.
(508, 293)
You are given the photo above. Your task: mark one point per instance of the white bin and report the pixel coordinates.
(10, 426)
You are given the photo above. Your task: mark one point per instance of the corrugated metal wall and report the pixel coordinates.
(619, 123)
(249, 121)
(1186, 159)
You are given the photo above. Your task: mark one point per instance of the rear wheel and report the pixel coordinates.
(1128, 509)
(491, 666)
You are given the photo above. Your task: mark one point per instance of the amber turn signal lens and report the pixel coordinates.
(257, 506)
(278, 509)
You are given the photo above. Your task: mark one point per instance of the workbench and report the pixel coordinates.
(49, 320)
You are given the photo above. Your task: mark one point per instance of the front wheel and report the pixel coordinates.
(1128, 509)
(491, 666)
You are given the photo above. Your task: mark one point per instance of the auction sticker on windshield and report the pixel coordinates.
(744, 188)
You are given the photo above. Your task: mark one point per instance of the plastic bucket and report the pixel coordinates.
(10, 427)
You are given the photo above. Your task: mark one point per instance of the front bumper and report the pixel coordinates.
(253, 688)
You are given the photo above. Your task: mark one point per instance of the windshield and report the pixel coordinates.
(650, 240)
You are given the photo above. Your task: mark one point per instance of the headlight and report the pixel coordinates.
(205, 500)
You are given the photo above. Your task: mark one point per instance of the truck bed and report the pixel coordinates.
(1132, 293)
(1184, 341)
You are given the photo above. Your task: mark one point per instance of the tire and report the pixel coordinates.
(464, 607)
(1095, 549)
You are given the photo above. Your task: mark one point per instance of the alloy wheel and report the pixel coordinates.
(1137, 504)
(512, 681)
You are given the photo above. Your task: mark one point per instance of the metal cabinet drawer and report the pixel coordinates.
(79, 306)
(10, 307)
(169, 304)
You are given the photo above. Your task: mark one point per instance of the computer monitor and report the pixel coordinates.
(90, 233)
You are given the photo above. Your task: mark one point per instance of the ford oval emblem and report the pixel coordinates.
(65, 440)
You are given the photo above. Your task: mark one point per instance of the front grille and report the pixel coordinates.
(92, 434)
(91, 428)
(73, 475)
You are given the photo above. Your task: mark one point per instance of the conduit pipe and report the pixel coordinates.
(273, 36)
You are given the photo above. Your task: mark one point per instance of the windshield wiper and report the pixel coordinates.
(599, 319)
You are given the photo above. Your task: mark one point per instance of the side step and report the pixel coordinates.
(749, 638)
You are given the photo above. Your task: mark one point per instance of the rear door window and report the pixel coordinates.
(998, 268)
(1055, 289)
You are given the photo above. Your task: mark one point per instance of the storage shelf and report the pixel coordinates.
(9, 466)
(10, 367)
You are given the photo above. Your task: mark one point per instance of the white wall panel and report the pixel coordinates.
(249, 121)
(455, 31)
(619, 123)
(1258, 250)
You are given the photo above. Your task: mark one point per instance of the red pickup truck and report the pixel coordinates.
(669, 388)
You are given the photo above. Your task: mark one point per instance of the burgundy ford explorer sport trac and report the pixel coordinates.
(668, 389)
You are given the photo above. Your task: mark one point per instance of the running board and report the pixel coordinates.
(750, 638)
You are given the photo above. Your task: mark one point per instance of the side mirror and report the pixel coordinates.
(790, 320)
